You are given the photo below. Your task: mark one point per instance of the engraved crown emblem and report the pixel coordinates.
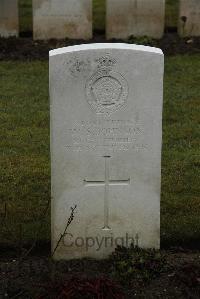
(106, 62)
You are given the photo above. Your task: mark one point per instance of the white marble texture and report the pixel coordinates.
(62, 19)
(106, 136)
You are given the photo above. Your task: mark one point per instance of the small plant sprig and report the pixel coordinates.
(71, 218)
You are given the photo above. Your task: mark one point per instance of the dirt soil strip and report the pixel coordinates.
(180, 277)
(27, 49)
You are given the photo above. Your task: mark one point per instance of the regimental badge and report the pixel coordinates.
(107, 90)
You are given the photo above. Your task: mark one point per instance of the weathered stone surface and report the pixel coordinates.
(9, 21)
(135, 17)
(62, 19)
(106, 131)
(189, 18)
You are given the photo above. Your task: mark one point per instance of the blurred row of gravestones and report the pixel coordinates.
(124, 18)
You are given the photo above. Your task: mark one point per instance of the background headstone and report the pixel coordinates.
(135, 17)
(189, 18)
(62, 19)
(106, 135)
(9, 20)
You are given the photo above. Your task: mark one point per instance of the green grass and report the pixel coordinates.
(98, 12)
(25, 15)
(25, 161)
(181, 157)
(24, 145)
(171, 13)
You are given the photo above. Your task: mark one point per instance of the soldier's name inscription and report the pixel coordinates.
(113, 135)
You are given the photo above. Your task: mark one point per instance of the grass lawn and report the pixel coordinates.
(25, 161)
(171, 13)
(25, 15)
(25, 12)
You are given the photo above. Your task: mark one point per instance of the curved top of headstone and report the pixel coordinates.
(119, 46)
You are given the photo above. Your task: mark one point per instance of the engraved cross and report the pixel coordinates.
(106, 183)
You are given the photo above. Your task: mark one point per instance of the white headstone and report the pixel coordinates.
(106, 135)
(189, 18)
(9, 22)
(62, 19)
(135, 17)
